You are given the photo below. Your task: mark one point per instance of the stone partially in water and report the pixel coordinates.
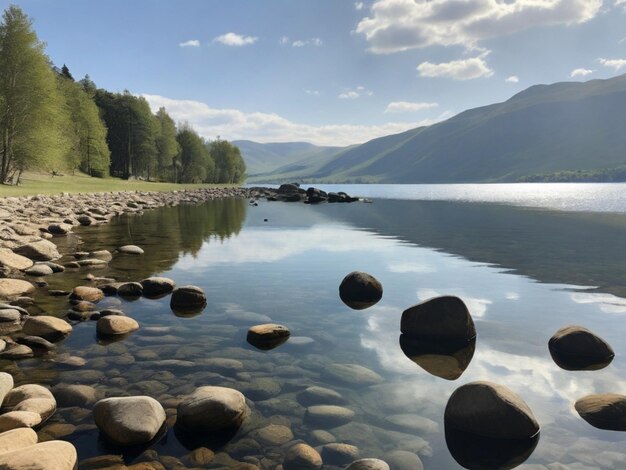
(50, 328)
(339, 454)
(12, 288)
(490, 410)
(267, 336)
(90, 294)
(302, 457)
(603, 411)
(212, 410)
(129, 420)
(13, 260)
(157, 286)
(51, 455)
(74, 395)
(113, 325)
(445, 359)
(328, 416)
(130, 290)
(577, 348)
(188, 298)
(443, 318)
(41, 250)
(360, 290)
(39, 270)
(130, 250)
(368, 464)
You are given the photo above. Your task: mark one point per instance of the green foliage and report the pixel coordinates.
(602, 175)
(166, 143)
(229, 165)
(196, 164)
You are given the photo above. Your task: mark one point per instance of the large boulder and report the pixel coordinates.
(74, 395)
(212, 410)
(490, 410)
(41, 250)
(90, 294)
(603, 411)
(31, 398)
(267, 336)
(116, 325)
(51, 455)
(129, 420)
(360, 290)
(11, 288)
(443, 318)
(13, 260)
(302, 457)
(576, 348)
(188, 298)
(18, 419)
(157, 286)
(50, 328)
(17, 439)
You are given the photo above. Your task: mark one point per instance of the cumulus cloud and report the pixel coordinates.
(408, 106)
(615, 64)
(234, 124)
(463, 69)
(399, 25)
(235, 40)
(512, 79)
(190, 43)
(354, 94)
(580, 73)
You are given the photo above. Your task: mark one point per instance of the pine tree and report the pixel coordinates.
(166, 144)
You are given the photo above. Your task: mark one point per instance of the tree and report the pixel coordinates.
(31, 111)
(88, 86)
(229, 164)
(196, 163)
(166, 144)
(66, 72)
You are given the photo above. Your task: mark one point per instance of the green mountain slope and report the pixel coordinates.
(543, 129)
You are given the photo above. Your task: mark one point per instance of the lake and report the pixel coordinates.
(526, 259)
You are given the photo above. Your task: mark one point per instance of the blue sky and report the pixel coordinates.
(331, 72)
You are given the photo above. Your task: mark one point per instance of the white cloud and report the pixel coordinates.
(317, 42)
(408, 106)
(399, 25)
(512, 79)
(235, 40)
(284, 40)
(354, 94)
(463, 69)
(190, 43)
(234, 124)
(358, 5)
(580, 73)
(613, 63)
(312, 92)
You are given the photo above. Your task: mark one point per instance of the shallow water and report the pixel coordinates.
(521, 272)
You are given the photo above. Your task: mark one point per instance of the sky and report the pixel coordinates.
(329, 72)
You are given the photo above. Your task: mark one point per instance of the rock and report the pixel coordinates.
(74, 395)
(320, 396)
(31, 398)
(267, 336)
(413, 423)
(223, 365)
(339, 454)
(360, 290)
(10, 321)
(39, 270)
(320, 436)
(59, 229)
(18, 419)
(50, 328)
(199, 457)
(6, 384)
(51, 455)
(110, 288)
(603, 411)
(443, 318)
(352, 374)
(577, 348)
(11, 288)
(445, 359)
(130, 289)
(35, 342)
(41, 250)
(129, 420)
(69, 362)
(17, 351)
(302, 457)
(13, 260)
(104, 255)
(92, 262)
(116, 325)
(403, 460)
(90, 294)
(328, 416)
(212, 410)
(490, 410)
(188, 298)
(85, 220)
(368, 464)
(157, 286)
(130, 250)
(17, 439)
(262, 389)
(272, 435)
(56, 268)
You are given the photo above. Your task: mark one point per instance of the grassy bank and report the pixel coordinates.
(44, 183)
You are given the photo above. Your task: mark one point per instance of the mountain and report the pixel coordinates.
(545, 129)
(265, 158)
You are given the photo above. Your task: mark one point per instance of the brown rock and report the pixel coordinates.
(443, 318)
(360, 290)
(577, 348)
(603, 411)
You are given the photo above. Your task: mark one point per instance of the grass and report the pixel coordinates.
(43, 183)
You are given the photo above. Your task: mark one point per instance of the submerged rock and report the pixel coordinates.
(603, 411)
(302, 457)
(360, 290)
(212, 409)
(368, 464)
(577, 348)
(268, 336)
(443, 318)
(328, 416)
(320, 396)
(339, 454)
(352, 374)
(403, 460)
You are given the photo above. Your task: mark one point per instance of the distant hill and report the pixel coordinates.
(543, 130)
(266, 158)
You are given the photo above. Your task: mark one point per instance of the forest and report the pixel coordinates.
(51, 122)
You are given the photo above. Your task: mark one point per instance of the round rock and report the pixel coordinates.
(368, 464)
(320, 396)
(50, 328)
(129, 420)
(328, 416)
(490, 410)
(51, 455)
(603, 411)
(17, 439)
(212, 409)
(130, 250)
(403, 460)
(443, 318)
(360, 290)
(41, 250)
(353, 374)
(267, 336)
(157, 286)
(302, 457)
(577, 348)
(188, 298)
(339, 454)
(116, 325)
(130, 289)
(90, 294)
(11, 288)
(13, 260)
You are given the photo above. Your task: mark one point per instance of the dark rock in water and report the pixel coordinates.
(157, 286)
(188, 298)
(267, 336)
(132, 290)
(490, 410)
(111, 288)
(360, 290)
(36, 342)
(212, 410)
(339, 454)
(289, 188)
(314, 196)
(443, 318)
(603, 411)
(487, 453)
(447, 360)
(577, 348)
